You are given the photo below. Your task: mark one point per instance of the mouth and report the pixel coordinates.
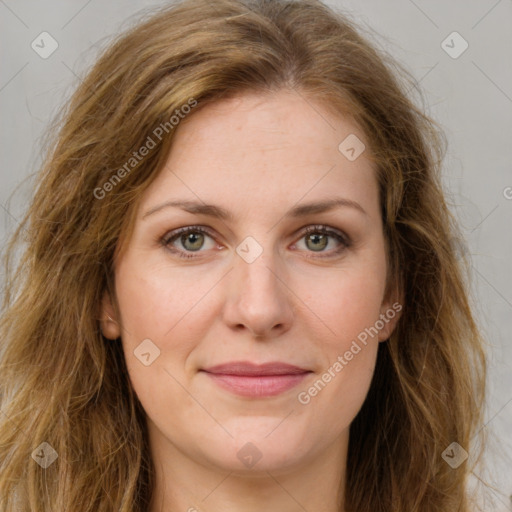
(251, 380)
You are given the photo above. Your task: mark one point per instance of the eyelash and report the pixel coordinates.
(324, 230)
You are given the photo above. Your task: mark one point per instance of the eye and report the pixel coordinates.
(192, 240)
(317, 239)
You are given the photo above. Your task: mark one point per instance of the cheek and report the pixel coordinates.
(155, 300)
(156, 305)
(350, 310)
(347, 302)
(171, 308)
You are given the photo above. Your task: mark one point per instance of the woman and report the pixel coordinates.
(240, 280)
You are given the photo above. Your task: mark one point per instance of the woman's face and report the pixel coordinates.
(254, 287)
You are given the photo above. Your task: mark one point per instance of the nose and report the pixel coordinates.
(259, 300)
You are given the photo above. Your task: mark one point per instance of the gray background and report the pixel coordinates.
(470, 96)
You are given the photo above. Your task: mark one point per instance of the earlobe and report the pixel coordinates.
(109, 325)
(390, 314)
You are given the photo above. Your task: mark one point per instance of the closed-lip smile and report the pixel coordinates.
(248, 379)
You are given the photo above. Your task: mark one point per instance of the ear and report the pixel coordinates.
(109, 324)
(390, 312)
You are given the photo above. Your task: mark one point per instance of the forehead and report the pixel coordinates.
(266, 150)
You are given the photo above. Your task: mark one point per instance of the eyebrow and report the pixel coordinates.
(221, 213)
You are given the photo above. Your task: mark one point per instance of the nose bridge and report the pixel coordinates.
(258, 298)
(256, 268)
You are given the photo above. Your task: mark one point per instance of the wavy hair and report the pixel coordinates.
(63, 383)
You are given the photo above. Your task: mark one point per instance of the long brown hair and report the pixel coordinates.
(63, 383)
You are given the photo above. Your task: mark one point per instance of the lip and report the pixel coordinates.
(252, 380)
(246, 368)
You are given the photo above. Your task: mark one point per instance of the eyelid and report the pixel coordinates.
(174, 233)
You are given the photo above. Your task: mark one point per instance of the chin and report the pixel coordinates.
(260, 450)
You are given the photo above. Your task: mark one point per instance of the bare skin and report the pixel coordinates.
(303, 301)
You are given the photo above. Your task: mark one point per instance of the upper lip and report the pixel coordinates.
(248, 368)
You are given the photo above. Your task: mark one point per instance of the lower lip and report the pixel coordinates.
(257, 386)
